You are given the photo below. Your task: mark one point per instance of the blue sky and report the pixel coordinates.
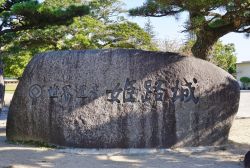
(170, 28)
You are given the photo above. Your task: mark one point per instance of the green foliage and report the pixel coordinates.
(208, 19)
(30, 14)
(61, 3)
(15, 64)
(222, 55)
(217, 23)
(24, 15)
(16, 55)
(95, 31)
(128, 35)
(149, 28)
(186, 49)
(245, 81)
(107, 10)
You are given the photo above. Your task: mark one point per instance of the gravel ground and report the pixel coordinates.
(229, 156)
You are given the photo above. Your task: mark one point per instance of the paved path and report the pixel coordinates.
(231, 156)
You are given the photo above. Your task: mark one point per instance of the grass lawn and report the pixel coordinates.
(10, 88)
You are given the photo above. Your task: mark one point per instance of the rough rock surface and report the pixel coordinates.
(122, 99)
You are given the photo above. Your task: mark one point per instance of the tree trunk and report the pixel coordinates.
(203, 45)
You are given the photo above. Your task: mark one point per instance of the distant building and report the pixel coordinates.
(10, 81)
(243, 70)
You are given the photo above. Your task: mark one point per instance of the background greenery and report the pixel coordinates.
(104, 27)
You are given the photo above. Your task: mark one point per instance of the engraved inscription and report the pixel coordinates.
(53, 91)
(185, 92)
(159, 90)
(129, 91)
(66, 95)
(151, 91)
(154, 92)
(35, 91)
(115, 93)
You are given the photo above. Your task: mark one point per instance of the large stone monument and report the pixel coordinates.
(122, 99)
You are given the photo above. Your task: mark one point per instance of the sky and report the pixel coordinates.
(171, 29)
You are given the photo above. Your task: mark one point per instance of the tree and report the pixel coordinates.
(20, 15)
(168, 45)
(245, 81)
(107, 10)
(222, 55)
(149, 28)
(208, 19)
(94, 31)
(98, 34)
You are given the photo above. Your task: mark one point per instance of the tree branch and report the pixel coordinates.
(247, 30)
(163, 13)
(16, 29)
(7, 5)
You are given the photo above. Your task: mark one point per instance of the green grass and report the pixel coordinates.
(10, 88)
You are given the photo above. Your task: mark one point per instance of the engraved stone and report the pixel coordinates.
(122, 99)
(35, 91)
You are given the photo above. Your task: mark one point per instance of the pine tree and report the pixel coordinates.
(20, 15)
(208, 19)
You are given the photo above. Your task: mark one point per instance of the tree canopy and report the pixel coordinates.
(21, 15)
(17, 15)
(245, 81)
(98, 30)
(222, 55)
(208, 19)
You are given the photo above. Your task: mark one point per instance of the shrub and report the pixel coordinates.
(245, 81)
